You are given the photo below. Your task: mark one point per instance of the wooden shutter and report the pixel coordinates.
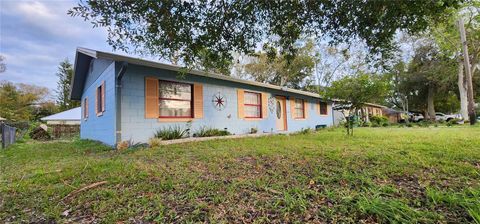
(292, 107)
(103, 96)
(197, 100)
(240, 101)
(96, 101)
(305, 109)
(151, 98)
(264, 105)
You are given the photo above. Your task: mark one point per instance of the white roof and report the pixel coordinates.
(2, 119)
(72, 114)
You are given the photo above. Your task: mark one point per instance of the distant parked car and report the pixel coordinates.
(447, 117)
(416, 117)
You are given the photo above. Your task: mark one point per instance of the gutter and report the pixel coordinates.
(118, 103)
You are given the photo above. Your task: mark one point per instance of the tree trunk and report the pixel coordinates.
(430, 103)
(462, 89)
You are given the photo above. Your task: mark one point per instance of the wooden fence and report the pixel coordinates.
(64, 131)
(7, 135)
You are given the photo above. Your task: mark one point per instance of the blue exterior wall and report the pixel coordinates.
(100, 128)
(134, 125)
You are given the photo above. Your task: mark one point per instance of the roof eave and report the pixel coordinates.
(148, 63)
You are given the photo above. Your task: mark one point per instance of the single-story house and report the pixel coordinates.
(128, 99)
(68, 117)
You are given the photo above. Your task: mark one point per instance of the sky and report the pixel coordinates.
(35, 36)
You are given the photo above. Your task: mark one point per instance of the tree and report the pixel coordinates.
(447, 37)
(430, 73)
(3, 66)
(19, 101)
(211, 31)
(277, 71)
(421, 84)
(356, 90)
(65, 74)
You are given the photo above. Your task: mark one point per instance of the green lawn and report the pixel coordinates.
(380, 175)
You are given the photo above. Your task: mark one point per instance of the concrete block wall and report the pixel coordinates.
(136, 127)
(100, 128)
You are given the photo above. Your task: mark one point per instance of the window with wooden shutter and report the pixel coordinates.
(151, 98)
(323, 108)
(252, 105)
(100, 99)
(299, 108)
(175, 99)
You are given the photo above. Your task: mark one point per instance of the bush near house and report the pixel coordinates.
(210, 132)
(379, 175)
(378, 121)
(170, 133)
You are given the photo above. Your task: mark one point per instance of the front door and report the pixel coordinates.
(281, 113)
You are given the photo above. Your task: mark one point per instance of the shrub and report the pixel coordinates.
(209, 132)
(453, 122)
(154, 142)
(375, 125)
(379, 121)
(401, 125)
(409, 124)
(366, 124)
(175, 132)
(305, 131)
(424, 123)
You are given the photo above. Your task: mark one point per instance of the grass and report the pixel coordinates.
(399, 175)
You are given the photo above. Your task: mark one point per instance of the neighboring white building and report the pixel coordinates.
(69, 117)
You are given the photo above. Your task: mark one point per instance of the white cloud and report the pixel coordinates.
(36, 35)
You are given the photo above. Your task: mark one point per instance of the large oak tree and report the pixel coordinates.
(206, 33)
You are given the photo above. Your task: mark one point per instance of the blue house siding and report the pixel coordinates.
(100, 128)
(139, 129)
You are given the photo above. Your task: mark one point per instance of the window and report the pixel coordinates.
(175, 99)
(299, 108)
(323, 108)
(85, 108)
(253, 105)
(100, 99)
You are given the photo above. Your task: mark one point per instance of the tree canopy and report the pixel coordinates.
(275, 70)
(208, 32)
(21, 102)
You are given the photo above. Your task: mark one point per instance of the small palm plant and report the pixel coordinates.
(175, 132)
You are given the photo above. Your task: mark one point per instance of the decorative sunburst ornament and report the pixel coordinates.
(271, 104)
(219, 101)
